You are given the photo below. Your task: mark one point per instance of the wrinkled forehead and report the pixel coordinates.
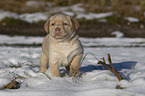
(59, 18)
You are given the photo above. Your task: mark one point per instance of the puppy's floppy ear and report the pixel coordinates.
(46, 25)
(75, 23)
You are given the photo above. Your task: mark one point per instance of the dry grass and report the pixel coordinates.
(133, 8)
(123, 7)
(12, 5)
(19, 6)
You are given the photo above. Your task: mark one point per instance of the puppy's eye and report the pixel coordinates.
(65, 24)
(52, 24)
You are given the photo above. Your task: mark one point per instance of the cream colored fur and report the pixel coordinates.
(61, 47)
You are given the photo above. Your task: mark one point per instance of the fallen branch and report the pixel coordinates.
(12, 85)
(111, 68)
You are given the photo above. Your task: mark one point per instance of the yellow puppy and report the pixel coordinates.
(61, 47)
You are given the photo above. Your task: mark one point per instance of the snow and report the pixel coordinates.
(87, 42)
(76, 11)
(19, 39)
(132, 19)
(33, 17)
(118, 34)
(38, 3)
(4, 14)
(77, 8)
(92, 16)
(127, 57)
(28, 17)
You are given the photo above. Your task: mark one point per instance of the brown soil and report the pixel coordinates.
(87, 29)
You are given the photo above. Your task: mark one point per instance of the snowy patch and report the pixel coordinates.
(74, 10)
(20, 39)
(68, 13)
(87, 42)
(91, 16)
(28, 17)
(38, 3)
(34, 17)
(4, 14)
(117, 34)
(77, 8)
(132, 19)
(102, 20)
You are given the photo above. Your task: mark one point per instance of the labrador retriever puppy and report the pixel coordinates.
(61, 47)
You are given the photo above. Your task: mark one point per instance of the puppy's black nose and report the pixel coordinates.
(57, 30)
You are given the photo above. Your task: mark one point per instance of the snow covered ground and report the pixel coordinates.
(127, 56)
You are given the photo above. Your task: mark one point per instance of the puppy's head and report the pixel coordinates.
(61, 26)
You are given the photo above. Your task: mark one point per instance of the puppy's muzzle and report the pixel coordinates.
(59, 33)
(57, 30)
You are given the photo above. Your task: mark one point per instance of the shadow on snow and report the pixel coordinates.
(123, 68)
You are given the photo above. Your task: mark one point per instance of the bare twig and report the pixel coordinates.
(111, 68)
(104, 62)
(110, 62)
(12, 85)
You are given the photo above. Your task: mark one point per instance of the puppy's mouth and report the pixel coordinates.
(60, 37)
(58, 34)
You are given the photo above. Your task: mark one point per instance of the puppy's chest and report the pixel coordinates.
(63, 52)
(62, 48)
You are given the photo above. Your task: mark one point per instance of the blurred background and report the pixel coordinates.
(98, 18)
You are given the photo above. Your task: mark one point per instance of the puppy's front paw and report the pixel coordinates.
(43, 70)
